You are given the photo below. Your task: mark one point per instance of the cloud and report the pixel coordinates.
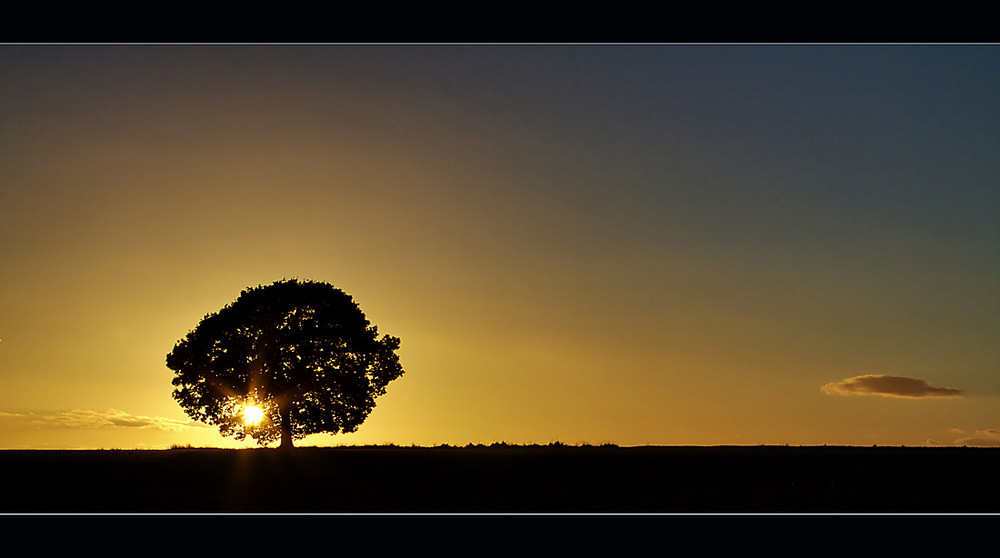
(78, 418)
(888, 386)
(988, 437)
(983, 438)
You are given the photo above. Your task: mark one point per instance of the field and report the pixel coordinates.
(505, 479)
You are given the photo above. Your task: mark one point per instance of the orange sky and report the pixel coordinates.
(589, 244)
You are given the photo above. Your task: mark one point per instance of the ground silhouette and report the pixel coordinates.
(507, 479)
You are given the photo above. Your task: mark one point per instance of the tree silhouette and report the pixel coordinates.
(301, 352)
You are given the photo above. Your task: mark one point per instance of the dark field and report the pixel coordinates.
(506, 479)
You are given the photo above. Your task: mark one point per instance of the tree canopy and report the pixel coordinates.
(301, 352)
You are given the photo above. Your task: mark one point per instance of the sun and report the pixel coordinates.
(252, 414)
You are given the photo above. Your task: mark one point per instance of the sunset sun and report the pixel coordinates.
(252, 415)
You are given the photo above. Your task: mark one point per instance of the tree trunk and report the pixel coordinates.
(285, 412)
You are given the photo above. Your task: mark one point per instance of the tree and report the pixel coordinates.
(303, 353)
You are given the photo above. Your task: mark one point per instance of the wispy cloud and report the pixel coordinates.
(888, 386)
(989, 437)
(80, 418)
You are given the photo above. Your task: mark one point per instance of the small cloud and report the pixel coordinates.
(888, 386)
(982, 438)
(78, 418)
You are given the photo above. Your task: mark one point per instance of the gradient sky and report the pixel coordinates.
(634, 244)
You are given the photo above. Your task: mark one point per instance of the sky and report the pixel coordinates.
(637, 244)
